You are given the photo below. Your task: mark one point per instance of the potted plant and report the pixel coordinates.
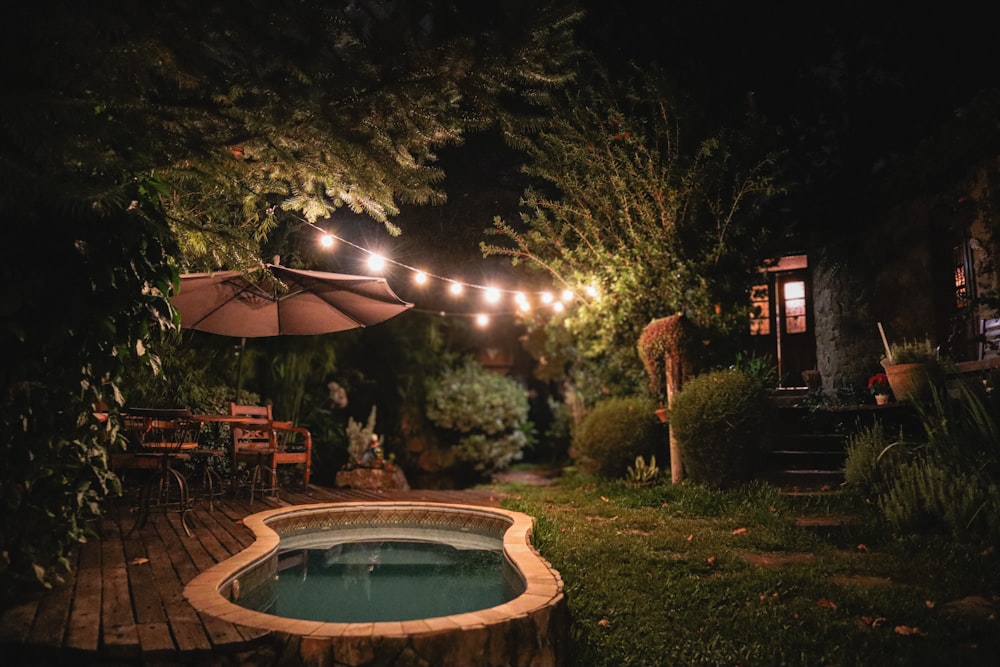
(912, 368)
(878, 385)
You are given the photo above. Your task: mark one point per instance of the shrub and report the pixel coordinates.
(947, 479)
(720, 421)
(930, 494)
(871, 457)
(482, 415)
(614, 433)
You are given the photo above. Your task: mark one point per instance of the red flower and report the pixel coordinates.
(878, 384)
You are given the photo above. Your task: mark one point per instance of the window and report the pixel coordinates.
(795, 306)
(961, 282)
(760, 311)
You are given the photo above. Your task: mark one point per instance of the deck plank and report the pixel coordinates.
(83, 631)
(16, 620)
(53, 611)
(119, 635)
(188, 633)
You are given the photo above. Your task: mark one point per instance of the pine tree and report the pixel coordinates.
(235, 113)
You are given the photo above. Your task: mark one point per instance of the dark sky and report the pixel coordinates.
(901, 59)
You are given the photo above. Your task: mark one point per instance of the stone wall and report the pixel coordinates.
(848, 345)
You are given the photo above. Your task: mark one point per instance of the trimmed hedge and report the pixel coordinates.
(613, 433)
(720, 420)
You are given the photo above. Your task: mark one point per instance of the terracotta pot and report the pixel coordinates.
(910, 381)
(661, 414)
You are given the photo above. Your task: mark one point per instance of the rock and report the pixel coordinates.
(383, 479)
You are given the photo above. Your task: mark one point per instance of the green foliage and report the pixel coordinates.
(913, 352)
(762, 370)
(84, 295)
(299, 366)
(642, 473)
(871, 459)
(931, 494)
(483, 416)
(945, 479)
(721, 420)
(653, 211)
(192, 373)
(614, 433)
(280, 112)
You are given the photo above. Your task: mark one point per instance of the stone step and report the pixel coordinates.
(803, 480)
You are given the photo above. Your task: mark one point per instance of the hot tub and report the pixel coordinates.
(527, 630)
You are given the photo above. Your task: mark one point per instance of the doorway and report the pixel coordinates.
(781, 320)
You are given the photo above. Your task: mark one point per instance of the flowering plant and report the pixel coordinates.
(878, 384)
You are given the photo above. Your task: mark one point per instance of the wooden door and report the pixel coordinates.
(782, 323)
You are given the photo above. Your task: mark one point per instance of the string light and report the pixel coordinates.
(492, 295)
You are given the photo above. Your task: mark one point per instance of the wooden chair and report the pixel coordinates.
(264, 444)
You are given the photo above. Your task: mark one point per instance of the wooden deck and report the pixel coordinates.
(123, 604)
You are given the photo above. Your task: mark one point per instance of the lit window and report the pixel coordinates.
(795, 306)
(760, 311)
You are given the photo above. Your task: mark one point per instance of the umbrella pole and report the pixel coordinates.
(239, 369)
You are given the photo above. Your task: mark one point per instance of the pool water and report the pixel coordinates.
(372, 581)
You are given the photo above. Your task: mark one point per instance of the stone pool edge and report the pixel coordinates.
(543, 596)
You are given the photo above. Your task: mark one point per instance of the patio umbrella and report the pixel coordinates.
(282, 302)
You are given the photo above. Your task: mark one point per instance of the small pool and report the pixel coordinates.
(384, 580)
(334, 582)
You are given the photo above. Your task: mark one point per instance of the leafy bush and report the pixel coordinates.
(871, 456)
(65, 342)
(720, 420)
(614, 433)
(946, 479)
(482, 415)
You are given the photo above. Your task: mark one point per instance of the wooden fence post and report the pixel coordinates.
(673, 386)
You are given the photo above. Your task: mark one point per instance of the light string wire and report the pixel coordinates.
(520, 294)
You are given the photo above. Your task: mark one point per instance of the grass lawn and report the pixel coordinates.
(679, 575)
